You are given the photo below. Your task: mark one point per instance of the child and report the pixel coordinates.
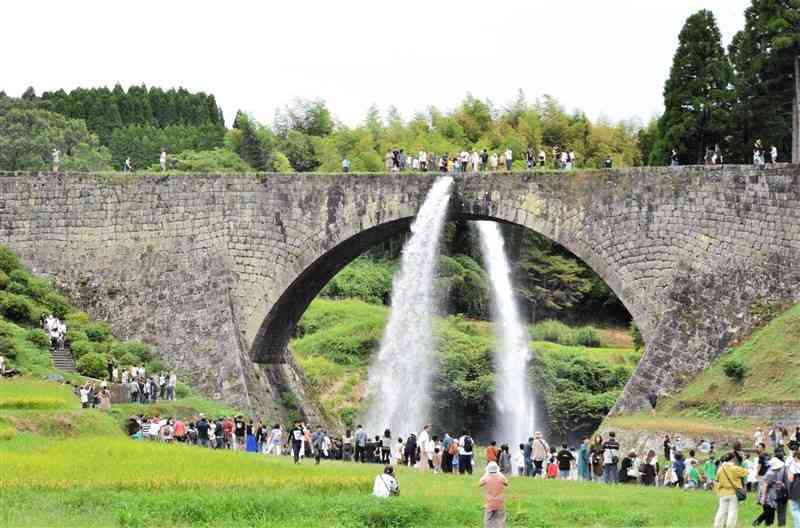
(399, 452)
(505, 461)
(437, 458)
(519, 460)
(693, 478)
(710, 472)
(552, 464)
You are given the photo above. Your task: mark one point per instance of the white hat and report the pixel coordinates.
(775, 463)
(492, 467)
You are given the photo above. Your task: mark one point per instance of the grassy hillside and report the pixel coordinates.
(771, 363)
(763, 369)
(577, 384)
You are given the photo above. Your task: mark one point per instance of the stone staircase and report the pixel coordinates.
(62, 358)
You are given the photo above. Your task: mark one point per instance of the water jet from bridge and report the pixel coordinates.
(398, 383)
(515, 419)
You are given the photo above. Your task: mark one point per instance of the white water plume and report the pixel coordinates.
(516, 415)
(398, 384)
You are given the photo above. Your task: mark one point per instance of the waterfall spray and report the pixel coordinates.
(398, 383)
(516, 415)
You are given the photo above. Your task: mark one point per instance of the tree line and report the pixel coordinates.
(734, 98)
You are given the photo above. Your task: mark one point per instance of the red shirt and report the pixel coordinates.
(227, 428)
(491, 454)
(180, 428)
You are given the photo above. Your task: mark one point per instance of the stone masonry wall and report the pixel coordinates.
(215, 270)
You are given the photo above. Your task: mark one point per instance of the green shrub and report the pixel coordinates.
(8, 347)
(4, 280)
(20, 276)
(93, 365)
(141, 351)
(8, 260)
(81, 348)
(57, 303)
(17, 288)
(38, 337)
(636, 335)
(734, 369)
(552, 331)
(363, 279)
(156, 366)
(75, 334)
(98, 331)
(128, 360)
(182, 390)
(586, 336)
(16, 308)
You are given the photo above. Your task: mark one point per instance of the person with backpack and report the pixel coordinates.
(611, 459)
(729, 489)
(565, 460)
(773, 494)
(552, 464)
(465, 452)
(539, 453)
(296, 437)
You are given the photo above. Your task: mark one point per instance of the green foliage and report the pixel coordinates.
(578, 390)
(128, 360)
(697, 98)
(8, 347)
(3, 280)
(16, 308)
(143, 143)
(252, 142)
(363, 279)
(8, 260)
(763, 55)
(28, 136)
(464, 284)
(98, 331)
(93, 365)
(57, 303)
(562, 334)
(39, 338)
(81, 348)
(734, 369)
(139, 351)
(636, 335)
(217, 160)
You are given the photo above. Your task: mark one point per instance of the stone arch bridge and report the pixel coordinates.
(215, 270)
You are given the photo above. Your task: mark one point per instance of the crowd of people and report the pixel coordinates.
(769, 471)
(56, 329)
(474, 161)
(143, 388)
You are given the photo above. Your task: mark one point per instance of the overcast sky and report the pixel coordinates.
(607, 57)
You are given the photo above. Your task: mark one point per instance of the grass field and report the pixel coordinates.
(113, 481)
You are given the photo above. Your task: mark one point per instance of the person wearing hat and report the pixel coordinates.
(773, 494)
(494, 484)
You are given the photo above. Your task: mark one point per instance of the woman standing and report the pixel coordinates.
(583, 461)
(729, 480)
(649, 469)
(773, 495)
(105, 400)
(386, 447)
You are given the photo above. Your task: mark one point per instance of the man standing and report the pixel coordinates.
(162, 160)
(424, 448)
(202, 431)
(56, 159)
(239, 429)
(345, 165)
(465, 446)
(526, 455)
(540, 452)
(509, 158)
(484, 159)
(296, 436)
(494, 484)
(361, 444)
(565, 460)
(316, 443)
(611, 459)
(447, 458)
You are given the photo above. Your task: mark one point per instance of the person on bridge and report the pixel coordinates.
(673, 158)
(509, 158)
(162, 160)
(345, 165)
